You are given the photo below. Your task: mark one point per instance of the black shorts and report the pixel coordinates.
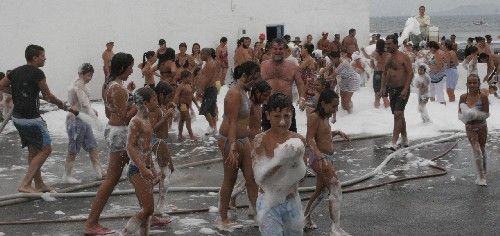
(209, 103)
(377, 82)
(265, 124)
(397, 103)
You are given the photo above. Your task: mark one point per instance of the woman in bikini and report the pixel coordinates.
(233, 138)
(183, 61)
(473, 110)
(148, 60)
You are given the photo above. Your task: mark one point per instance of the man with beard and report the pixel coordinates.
(243, 52)
(397, 78)
(281, 74)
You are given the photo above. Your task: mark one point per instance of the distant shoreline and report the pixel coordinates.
(435, 16)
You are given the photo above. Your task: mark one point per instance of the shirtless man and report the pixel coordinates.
(279, 166)
(350, 43)
(281, 74)
(336, 45)
(397, 77)
(378, 60)
(208, 91)
(320, 152)
(25, 84)
(222, 60)
(243, 52)
(119, 112)
(323, 44)
(106, 58)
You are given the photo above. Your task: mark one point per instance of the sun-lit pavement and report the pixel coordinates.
(448, 205)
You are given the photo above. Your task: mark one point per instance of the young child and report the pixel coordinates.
(473, 111)
(80, 133)
(422, 81)
(159, 117)
(141, 171)
(279, 165)
(320, 151)
(183, 99)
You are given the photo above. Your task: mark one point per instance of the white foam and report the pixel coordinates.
(46, 197)
(192, 222)
(206, 231)
(213, 209)
(59, 213)
(277, 185)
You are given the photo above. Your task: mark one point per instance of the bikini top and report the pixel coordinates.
(185, 65)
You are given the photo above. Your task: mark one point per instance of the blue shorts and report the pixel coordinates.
(451, 78)
(33, 132)
(286, 218)
(80, 135)
(132, 170)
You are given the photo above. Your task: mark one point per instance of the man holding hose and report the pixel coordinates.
(25, 83)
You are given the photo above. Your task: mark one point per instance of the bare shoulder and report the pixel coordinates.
(463, 97)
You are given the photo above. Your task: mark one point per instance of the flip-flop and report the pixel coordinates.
(99, 230)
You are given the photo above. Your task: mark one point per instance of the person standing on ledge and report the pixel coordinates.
(424, 21)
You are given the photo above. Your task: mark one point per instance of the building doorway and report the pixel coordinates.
(274, 31)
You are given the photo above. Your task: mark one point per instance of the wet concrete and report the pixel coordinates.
(448, 205)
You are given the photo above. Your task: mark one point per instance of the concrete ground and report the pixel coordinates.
(448, 205)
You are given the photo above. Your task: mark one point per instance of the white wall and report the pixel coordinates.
(73, 32)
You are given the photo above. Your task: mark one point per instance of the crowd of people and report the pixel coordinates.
(258, 130)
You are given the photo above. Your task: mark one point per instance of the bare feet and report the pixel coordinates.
(192, 137)
(27, 189)
(44, 188)
(180, 138)
(98, 230)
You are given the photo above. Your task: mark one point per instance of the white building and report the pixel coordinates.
(75, 31)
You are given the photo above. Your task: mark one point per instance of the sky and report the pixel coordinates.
(409, 7)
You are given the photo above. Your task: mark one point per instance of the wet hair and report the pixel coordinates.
(327, 96)
(334, 54)
(162, 41)
(488, 37)
(278, 41)
(168, 55)
(255, 44)
(143, 95)
(352, 31)
(261, 87)
(443, 38)
(448, 44)
(392, 37)
(287, 38)
(239, 42)
(278, 101)
(423, 67)
(380, 46)
(470, 76)
(223, 40)
(473, 49)
(163, 88)
(247, 68)
(433, 45)
(183, 44)
(479, 39)
(33, 51)
(119, 63)
(85, 68)
(309, 48)
(483, 58)
(2, 75)
(146, 56)
(195, 44)
(470, 40)
(185, 74)
(212, 53)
